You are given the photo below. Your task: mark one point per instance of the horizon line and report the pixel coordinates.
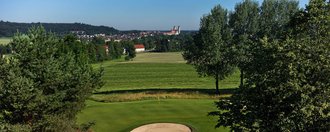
(100, 25)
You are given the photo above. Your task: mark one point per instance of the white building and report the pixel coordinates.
(139, 48)
(175, 31)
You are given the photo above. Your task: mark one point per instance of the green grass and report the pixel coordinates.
(168, 90)
(167, 72)
(123, 117)
(154, 57)
(4, 41)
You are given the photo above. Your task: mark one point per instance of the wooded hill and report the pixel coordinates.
(8, 29)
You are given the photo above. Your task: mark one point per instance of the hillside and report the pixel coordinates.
(8, 29)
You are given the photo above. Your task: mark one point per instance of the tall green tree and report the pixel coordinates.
(290, 89)
(164, 45)
(244, 24)
(115, 49)
(313, 21)
(43, 86)
(274, 16)
(209, 53)
(92, 53)
(98, 41)
(112, 51)
(119, 49)
(129, 49)
(101, 53)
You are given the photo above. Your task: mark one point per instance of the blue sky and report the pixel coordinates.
(120, 14)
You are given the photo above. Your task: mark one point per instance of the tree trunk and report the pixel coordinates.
(242, 78)
(217, 85)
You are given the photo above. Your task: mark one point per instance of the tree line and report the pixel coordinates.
(47, 78)
(283, 55)
(101, 50)
(97, 49)
(8, 29)
(164, 43)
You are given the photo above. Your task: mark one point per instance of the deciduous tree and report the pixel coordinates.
(130, 50)
(43, 86)
(244, 24)
(290, 88)
(209, 53)
(274, 16)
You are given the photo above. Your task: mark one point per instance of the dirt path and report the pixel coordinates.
(162, 127)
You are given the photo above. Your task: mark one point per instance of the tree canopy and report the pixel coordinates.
(209, 53)
(129, 49)
(274, 16)
(287, 85)
(244, 24)
(45, 82)
(8, 29)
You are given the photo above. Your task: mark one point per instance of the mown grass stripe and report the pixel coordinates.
(129, 115)
(125, 76)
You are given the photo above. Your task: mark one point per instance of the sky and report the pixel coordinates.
(120, 14)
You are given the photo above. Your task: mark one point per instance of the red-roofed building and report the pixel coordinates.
(139, 48)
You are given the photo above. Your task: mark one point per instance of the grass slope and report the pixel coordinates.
(161, 80)
(123, 117)
(4, 41)
(154, 57)
(158, 70)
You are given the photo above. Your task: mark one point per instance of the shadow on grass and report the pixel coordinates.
(170, 90)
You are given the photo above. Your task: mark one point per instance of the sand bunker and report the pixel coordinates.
(162, 127)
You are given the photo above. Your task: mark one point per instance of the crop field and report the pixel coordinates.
(154, 87)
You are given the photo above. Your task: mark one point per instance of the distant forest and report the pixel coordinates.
(8, 29)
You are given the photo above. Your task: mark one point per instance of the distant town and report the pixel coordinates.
(263, 65)
(126, 36)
